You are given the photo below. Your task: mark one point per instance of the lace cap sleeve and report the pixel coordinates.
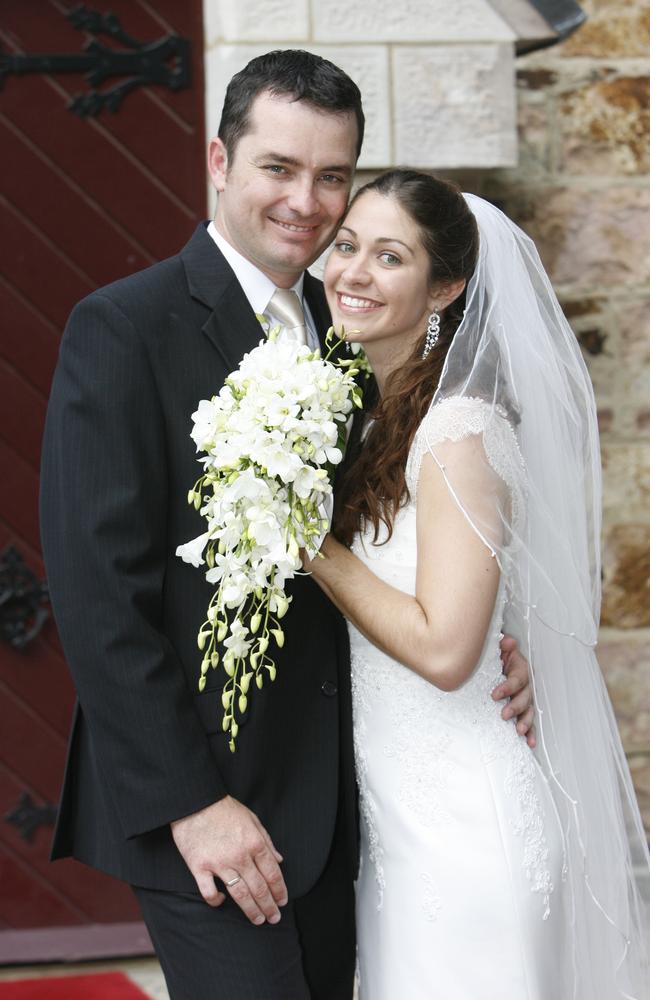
(457, 419)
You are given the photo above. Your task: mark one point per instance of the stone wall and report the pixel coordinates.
(582, 191)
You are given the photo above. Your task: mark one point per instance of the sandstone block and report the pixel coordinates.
(612, 29)
(454, 106)
(409, 21)
(588, 238)
(534, 138)
(626, 583)
(626, 483)
(625, 662)
(634, 326)
(606, 127)
(282, 21)
(212, 30)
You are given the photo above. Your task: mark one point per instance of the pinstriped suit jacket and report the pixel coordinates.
(118, 460)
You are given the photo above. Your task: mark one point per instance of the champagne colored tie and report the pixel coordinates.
(287, 307)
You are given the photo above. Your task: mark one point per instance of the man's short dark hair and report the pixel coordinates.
(292, 73)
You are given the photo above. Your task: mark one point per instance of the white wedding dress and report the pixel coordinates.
(459, 892)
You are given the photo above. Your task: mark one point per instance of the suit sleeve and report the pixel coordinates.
(103, 525)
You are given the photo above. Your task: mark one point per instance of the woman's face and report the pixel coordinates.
(377, 277)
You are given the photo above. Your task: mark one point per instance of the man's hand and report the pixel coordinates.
(517, 688)
(227, 840)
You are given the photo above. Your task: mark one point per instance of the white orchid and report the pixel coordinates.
(269, 439)
(192, 552)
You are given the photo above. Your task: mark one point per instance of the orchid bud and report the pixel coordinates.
(242, 703)
(190, 496)
(244, 682)
(263, 645)
(205, 665)
(272, 671)
(214, 660)
(201, 640)
(225, 722)
(278, 635)
(226, 698)
(259, 680)
(256, 621)
(201, 682)
(222, 631)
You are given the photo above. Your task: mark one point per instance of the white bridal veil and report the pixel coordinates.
(515, 350)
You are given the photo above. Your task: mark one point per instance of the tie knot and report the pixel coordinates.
(287, 307)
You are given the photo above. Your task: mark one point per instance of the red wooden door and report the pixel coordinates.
(82, 201)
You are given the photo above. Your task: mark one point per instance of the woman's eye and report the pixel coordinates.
(389, 258)
(344, 247)
(275, 168)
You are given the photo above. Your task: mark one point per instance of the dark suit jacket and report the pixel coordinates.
(146, 747)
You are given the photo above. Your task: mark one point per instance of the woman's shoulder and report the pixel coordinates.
(457, 417)
(460, 418)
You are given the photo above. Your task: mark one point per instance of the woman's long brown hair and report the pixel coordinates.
(374, 486)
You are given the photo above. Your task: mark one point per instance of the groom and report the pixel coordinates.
(266, 837)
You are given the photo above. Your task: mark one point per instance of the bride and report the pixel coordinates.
(489, 871)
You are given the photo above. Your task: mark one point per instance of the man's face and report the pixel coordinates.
(286, 188)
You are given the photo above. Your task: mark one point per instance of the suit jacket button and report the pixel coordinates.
(329, 689)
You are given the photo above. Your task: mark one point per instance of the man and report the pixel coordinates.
(152, 793)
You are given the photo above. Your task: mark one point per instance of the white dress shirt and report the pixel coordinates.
(257, 287)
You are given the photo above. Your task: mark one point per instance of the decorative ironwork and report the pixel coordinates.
(22, 600)
(28, 817)
(165, 62)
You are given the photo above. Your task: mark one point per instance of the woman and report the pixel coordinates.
(488, 872)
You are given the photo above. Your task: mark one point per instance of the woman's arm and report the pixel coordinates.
(440, 632)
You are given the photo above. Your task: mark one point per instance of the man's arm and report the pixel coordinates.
(103, 524)
(517, 688)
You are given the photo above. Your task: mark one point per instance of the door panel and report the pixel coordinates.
(83, 202)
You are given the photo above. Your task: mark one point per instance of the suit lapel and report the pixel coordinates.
(231, 327)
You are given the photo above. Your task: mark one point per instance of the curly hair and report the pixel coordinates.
(373, 488)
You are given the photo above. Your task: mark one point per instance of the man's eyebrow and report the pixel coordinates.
(380, 239)
(290, 161)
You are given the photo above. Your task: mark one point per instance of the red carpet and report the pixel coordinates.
(102, 986)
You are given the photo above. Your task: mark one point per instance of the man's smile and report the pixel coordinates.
(292, 227)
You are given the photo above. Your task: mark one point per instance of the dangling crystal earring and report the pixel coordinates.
(433, 332)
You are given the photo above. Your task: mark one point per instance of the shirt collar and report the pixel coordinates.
(256, 286)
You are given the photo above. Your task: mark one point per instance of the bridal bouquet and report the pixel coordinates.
(271, 438)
